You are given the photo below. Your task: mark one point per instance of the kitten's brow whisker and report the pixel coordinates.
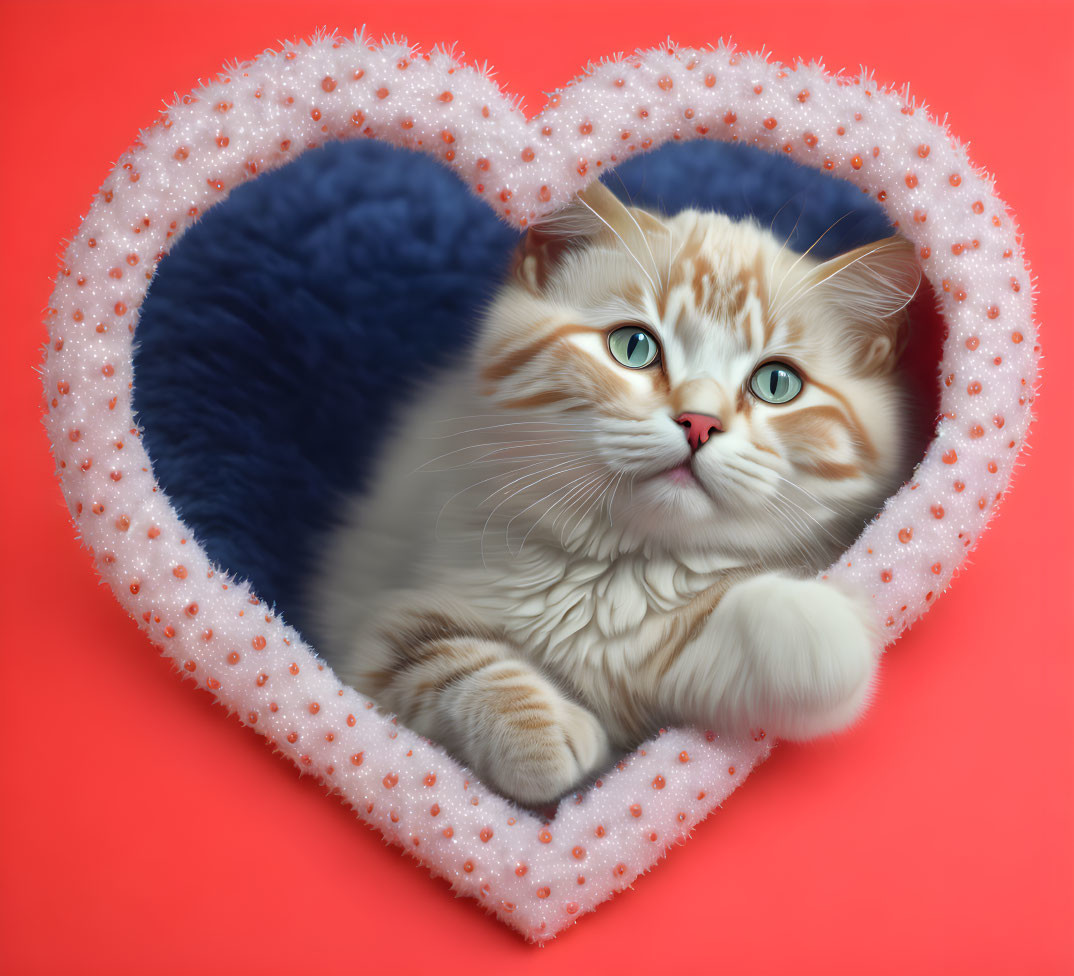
(671, 241)
(861, 257)
(786, 240)
(644, 236)
(799, 259)
(786, 204)
(626, 247)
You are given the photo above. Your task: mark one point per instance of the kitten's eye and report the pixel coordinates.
(633, 347)
(776, 383)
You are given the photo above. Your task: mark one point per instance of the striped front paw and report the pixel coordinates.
(523, 737)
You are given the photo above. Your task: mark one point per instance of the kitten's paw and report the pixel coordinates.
(812, 651)
(534, 747)
(542, 762)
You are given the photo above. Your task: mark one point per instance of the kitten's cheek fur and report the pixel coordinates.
(794, 657)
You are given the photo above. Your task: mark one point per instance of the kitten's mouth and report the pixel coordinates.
(681, 474)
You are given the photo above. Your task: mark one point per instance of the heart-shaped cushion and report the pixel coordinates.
(538, 876)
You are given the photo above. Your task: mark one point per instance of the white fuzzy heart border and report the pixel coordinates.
(536, 876)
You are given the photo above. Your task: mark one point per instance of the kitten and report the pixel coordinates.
(605, 518)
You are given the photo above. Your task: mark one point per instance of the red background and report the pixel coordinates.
(142, 830)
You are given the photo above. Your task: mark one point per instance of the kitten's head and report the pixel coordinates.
(707, 387)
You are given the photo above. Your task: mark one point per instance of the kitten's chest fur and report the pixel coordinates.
(607, 628)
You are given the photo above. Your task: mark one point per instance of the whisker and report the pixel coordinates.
(861, 257)
(521, 457)
(534, 505)
(574, 495)
(611, 501)
(775, 474)
(626, 247)
(549, 428)
(594, 498)
(800, 258)
(569, 485)
(820, 525)
(558, 469)
(644, 236)
(842, 509)
(576, 504)
(505, 446)
(549, 472)
(478, 484)
(786, 240)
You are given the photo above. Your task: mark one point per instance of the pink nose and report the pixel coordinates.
(698, 427)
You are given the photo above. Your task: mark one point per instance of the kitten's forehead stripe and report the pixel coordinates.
(712, 301)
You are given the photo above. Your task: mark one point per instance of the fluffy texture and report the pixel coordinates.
(563, 549)
(261, 114)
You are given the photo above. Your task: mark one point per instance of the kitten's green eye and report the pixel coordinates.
(633, 347)
(776, 383)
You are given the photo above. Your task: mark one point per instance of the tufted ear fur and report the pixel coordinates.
(871, 286)
(595, 212)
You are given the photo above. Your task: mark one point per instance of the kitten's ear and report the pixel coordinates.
(594, 211)
(542, 248)
(872, 285)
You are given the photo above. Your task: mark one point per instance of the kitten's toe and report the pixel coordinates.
(585, 738)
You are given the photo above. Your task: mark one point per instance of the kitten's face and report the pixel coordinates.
(785, 364)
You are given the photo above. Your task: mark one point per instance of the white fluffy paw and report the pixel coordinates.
(810, 654)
